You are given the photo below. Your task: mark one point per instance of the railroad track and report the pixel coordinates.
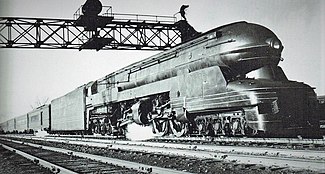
(11, 162)
(264, 151)
(287, 143)
(270, 157)
(66, 161)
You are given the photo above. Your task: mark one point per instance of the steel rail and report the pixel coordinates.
(243, 140)
(284, 158)
(40, 161)
(302, 154)
(113, 161)
(250, 140)
(293, 153)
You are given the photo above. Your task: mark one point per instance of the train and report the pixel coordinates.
(29, 123)
(223, 82)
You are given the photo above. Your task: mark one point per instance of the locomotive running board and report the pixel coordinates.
(217, 110)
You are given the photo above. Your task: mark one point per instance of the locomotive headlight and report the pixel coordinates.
(274, 43)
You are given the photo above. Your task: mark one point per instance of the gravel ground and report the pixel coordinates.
(175, 162)
(12, 163)
(74, 163)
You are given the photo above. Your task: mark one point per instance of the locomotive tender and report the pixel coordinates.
(223, 82)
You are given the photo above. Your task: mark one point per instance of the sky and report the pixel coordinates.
(31, 75)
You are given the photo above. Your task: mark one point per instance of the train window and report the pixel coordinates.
(252, 75)
(264, 108)
(41, 118)
(87, 92)
(34, 118)
(226, 73)
(218, 34)
(267, 72)
(231, 75)
(94, 88)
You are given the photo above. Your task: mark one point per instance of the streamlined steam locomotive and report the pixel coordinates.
(223, 82)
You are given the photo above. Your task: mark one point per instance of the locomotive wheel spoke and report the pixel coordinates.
(178, 128)
(160, 127)
(103, 129)
(200, 127)
(109, 129)
(243, 126)
(235, 127)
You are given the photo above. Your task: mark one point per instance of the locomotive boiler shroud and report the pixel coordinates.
(205, 81)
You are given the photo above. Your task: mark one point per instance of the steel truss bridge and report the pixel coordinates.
(106, 32)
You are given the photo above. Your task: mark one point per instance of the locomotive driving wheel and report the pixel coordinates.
(235, 127)
(217, 126)
(160, 127)
(106, 129)
(178, 128)
(201, 125)
(251, 132)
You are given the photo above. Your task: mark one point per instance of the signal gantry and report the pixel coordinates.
(93, 27)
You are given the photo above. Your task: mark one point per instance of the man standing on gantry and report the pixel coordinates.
(182, 11)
